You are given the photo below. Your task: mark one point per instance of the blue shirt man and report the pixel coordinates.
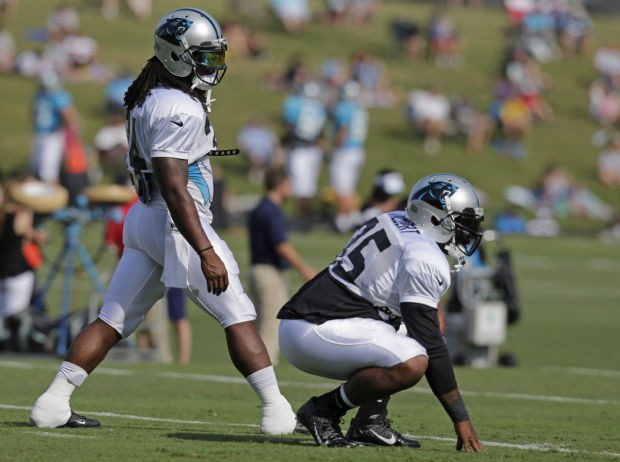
(271, 254)
(268, 228)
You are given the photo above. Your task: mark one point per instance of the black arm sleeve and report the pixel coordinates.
(423, 325)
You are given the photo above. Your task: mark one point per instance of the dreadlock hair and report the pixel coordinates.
(154, 74)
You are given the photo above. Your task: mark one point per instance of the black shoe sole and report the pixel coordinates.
(377, 445)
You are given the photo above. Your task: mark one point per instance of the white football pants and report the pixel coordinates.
(344, 170)
(137, 281)
(338, 348)
(304, 166)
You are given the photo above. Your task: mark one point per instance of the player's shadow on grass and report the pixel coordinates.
(217, 437)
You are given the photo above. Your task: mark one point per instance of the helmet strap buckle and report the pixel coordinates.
(209, 100)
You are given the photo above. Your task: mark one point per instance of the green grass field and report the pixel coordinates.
(560, 403)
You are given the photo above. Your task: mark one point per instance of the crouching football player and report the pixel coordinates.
(343, 323)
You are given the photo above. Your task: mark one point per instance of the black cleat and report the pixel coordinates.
(377, 431)
(300, 428)
(79, 421)
(323, 425)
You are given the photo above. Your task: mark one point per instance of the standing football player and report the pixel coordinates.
(168, 239)
(350, 127)
(304, 117)
(343, 324)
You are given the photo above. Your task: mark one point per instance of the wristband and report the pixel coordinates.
(204, 250)
(457, 410)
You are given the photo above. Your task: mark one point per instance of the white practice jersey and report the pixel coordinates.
(171, 123)
(390, 261)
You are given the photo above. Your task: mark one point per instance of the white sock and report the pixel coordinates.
(277, 416)
(264, 383)
(73, 373)
(61, 387)
(52, 408)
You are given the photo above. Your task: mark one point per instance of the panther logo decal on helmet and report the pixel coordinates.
(435, 193)
(172, 30)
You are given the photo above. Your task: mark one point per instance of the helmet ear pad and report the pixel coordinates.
(433, 222)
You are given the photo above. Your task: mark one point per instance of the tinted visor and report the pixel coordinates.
(209, 59)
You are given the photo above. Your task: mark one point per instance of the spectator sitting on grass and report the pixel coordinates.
(513, 119)
(604, 101)
(293, 14)
(373, 80)
(609, 164)
(260, 146)
(444, 43)
(528, 79)
(475, 125)
(428, 111)
(607, 62)
(574, 28)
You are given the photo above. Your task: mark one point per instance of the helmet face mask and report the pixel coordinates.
(189, 41)
(467, 235)
(446, 208)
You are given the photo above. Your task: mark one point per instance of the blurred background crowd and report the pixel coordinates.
(321, 127)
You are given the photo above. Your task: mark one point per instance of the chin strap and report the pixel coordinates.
(209, 100)
(460, 262)
(451, 250)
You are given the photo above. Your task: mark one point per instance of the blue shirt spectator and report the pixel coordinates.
(48, 108)
(510, 222)
(268, 228)
(306, 117)
(354, 117)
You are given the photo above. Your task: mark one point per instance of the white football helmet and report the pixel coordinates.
(447, 209)
(189, 40)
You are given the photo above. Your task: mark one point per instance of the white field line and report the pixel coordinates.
(205, 377)
(240, 380)
(60, 435)
(608, 373)
(17, 365)
(526, 396)
(137, 417)
(486, 394)
(544, 447)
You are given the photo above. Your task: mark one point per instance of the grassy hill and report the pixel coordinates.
(126, 44)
